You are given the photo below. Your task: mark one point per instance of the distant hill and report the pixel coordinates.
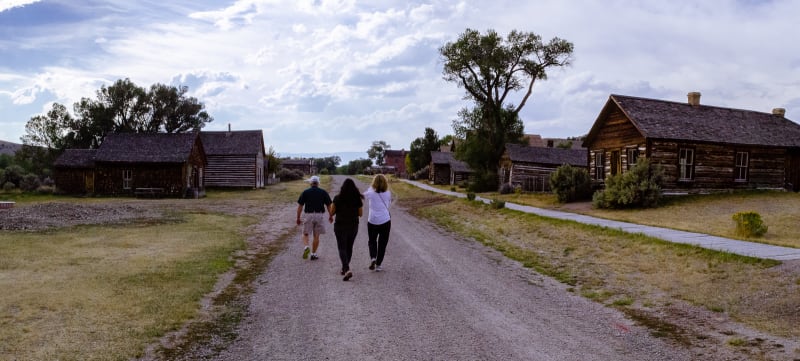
(8, 147)
(346, 157)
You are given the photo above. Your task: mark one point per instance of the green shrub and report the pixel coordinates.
(29, 183)
(506, 188)
(749, 224)
(638, 187)
(498, 204)
(483, 182)
(453, 189)
(471, 196)
(289, 174)
(571, 184)
(45, 189)
(8, 186)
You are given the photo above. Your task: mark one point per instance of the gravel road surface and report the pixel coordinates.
(439, 298)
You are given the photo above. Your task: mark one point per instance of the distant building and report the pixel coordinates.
(304, 165)
(396, 161)
(235, 158)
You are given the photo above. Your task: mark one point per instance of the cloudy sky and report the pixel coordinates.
(328, 76)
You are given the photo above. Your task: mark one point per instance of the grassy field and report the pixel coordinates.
(710, 214)
(628, 271)
(105, 292)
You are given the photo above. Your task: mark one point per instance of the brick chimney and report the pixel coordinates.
(779, 112)
(694, 98)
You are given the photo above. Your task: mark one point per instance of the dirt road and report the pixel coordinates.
(439, 298)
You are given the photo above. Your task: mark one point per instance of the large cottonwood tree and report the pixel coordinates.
(493, 70)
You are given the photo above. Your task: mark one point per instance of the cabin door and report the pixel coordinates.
(88, 180)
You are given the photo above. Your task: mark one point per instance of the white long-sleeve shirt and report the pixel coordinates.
(379, 204)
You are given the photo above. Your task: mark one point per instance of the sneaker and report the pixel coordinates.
(347, 276)
(342, 273)
(314, 256)
(372, 264)
(378, 268)
(306, 251)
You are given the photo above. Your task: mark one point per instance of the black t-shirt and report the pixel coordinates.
(347, 211)
(314, 200)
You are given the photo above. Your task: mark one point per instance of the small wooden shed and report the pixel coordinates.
(446, 169)
(530, 167)
(235, 158)
(73, 171)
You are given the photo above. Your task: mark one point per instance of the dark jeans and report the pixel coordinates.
(345, 238)
(378, 239)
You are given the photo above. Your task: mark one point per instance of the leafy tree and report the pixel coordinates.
(273, 162)
(328, 163)
(377, 150)
(419, 154)
(357, 166)
(490, 69)
(173, 111)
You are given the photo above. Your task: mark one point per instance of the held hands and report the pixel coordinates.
(330, 219)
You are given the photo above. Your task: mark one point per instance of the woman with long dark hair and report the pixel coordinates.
(347, 207)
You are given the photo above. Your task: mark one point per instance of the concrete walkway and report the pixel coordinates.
(758, 250)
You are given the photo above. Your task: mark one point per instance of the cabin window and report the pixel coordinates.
(127, 178)
(742, 163)
(599, 166)
(633, 157)
(616, 163)
(686, 164)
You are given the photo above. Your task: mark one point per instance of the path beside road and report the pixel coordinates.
(752, 249)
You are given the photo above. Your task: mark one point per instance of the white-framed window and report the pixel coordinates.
(127, 178)
(742, 164)
(633, 157)
(686, 164)
(599, 166)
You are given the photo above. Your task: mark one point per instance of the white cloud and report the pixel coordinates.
(10, 4)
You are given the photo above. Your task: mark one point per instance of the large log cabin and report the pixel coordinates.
(154, 164)
(701, 148)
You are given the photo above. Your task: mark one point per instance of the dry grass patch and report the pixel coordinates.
(103, 293)
(628, 270)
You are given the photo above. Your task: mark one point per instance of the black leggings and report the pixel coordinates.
(378, 239)
(344, 240)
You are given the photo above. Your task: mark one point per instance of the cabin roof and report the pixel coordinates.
(237, 142)
(546, 155)
(702, 123)
(146, 147)
(76, 158)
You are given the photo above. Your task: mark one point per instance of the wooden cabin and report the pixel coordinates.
(701, 148)
(149, 164)
(235, 158)
(445, 169)
(73, 171)
(530, 167)
(304, 165)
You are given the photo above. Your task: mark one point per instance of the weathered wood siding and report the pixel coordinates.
(72, 180)
(617, 134)
(235, 171)
(170, 177)
(714, 167)
(440, 174)
(793, 170)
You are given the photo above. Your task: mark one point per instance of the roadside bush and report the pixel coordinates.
(453, 189)
(749, 224)
(8, 186)
(483, 182)
(506, 188)
(498, 204)
(289, 174)
(571, 184)
(638, 187)
(471, 196)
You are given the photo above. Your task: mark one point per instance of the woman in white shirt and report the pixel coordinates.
(379, 221)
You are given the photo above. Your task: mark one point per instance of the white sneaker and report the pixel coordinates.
(378, 268)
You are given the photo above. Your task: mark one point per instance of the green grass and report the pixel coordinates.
(103, 293)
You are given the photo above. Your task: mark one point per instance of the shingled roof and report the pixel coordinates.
(76, 158)
(669, 120)
(549, 156)
(448, 158)
(441, 157)
(146, 147)
(236, 142)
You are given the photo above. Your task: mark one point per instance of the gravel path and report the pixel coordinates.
(439, 298)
